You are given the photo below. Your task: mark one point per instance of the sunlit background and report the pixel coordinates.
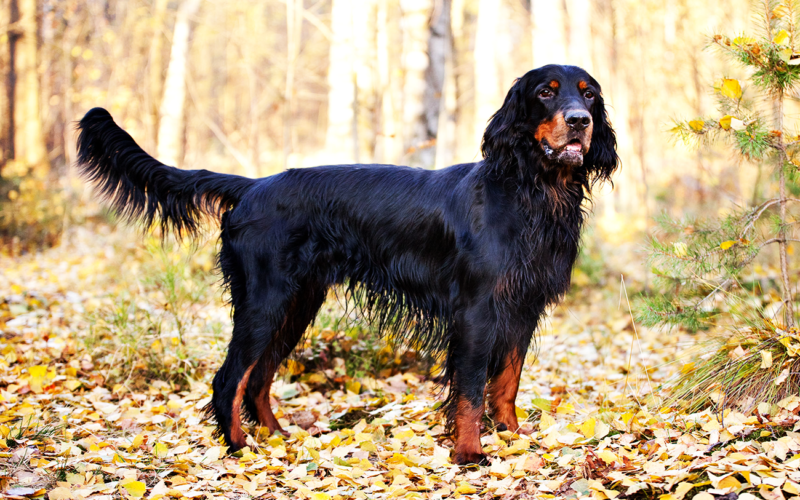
(255, 87)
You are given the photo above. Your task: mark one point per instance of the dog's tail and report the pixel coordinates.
(140, 188)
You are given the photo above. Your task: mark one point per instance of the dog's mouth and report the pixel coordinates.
(570, 154)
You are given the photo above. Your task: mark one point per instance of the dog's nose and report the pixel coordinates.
(578, 119)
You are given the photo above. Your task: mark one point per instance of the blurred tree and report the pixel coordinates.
(171, 113)
(341, 138)
(701, 269)
(549, 32)
(26, 145)
(487, 86)
(419, 79)
(155, 69)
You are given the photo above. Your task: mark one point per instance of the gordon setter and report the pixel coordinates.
(459, 262)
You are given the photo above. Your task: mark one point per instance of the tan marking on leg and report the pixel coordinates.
(468, 433)
(237, 435)
(503, 390)
(265, 415)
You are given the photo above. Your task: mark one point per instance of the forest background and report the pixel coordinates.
(255, 87)
(109, 340)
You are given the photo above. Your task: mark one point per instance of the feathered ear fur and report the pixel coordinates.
(601, 161)
(505, 130)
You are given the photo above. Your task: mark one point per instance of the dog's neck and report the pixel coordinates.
(533, 179)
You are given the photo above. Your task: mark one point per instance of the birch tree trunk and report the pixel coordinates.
(448, 107)
(171, 120)
(487, 87)
(26, 138)
(549, 32)
(388, 144)
(433, 99)
(155, 70)
(340, 145)
(416, 15)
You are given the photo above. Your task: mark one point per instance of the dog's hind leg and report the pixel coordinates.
(256, 320)
(303, 309)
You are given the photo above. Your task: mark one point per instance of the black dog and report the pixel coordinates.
(463, 261)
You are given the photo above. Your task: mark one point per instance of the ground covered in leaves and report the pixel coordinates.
(108, 347)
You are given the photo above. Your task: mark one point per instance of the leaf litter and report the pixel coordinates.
(108, 348)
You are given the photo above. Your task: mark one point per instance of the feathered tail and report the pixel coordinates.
(140, 188)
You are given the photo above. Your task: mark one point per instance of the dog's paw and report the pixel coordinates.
(470, 458)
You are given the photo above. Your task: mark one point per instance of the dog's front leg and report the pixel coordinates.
(469, 356)
(502, 391)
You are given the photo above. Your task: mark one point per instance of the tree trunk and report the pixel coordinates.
(549, 32)
(388, 146)
(416, 34)
(155, 70)
(171, 120)
(446, 126)
(5, 117)
(788, 299)
(26, 139)
(340, 145)
(487, 87)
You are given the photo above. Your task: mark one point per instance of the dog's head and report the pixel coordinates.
(558, 113)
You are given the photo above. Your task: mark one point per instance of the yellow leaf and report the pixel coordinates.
(546, 422)
(587, 428)
(320, 495)
(725, 122)
(521, 414)
(353, 386)
(465, 488)
(781, 37)
(680, 249)
(743, 40)
(156, 346)
(781, 11)
(368, 446)
(608, 456)
(60, 493)
(137, 442)
(134, 488)
(727, 244)
(682, 490)
(730, 482)
(601, 430)
(766, 359)
(160, 450)
(697, 125)
(38, 374)
(565, 409)
(731, 88)
(295, 367)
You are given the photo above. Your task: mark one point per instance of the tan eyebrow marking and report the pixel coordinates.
(582, 85)
(554, 84)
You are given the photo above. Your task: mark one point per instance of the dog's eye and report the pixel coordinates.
(545, 93)
(588, 94)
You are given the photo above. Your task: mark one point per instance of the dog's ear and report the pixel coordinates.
(503, 134)
(601, 161)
